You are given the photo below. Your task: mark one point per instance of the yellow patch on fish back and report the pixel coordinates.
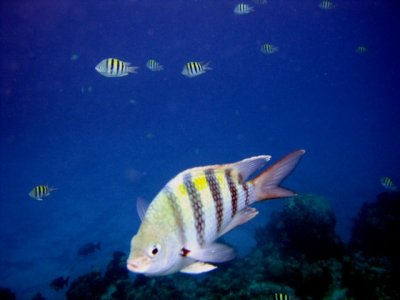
(182, 190)
(200, 183)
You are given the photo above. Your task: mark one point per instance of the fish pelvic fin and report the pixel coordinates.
(198, 268)
(266, 184)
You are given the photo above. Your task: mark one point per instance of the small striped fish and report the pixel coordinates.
(153, 65)
(388, 183)
(194, 68)
(280, 296)
(326, 5)
(198, 206)
(243, 9)
(268, 49)
(112, 67)
(41, 191)
(361, 49)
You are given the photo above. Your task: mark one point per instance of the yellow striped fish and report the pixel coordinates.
(194, 68)
(243, 9)
(361, 49)
(198, 206)
(326, 5)
(112, 67)
(268, 49)
(41, 191)
(388, 183)
(153, 65)
(280, 296)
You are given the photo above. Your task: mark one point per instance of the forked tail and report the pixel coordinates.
(266, 184)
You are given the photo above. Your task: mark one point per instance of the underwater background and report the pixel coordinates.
(104, 142)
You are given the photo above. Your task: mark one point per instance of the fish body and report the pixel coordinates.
(198, 206)
(243, 9)
(361, 49)
(112, 67)
(59, 283)
(154, 66)
(388, 183)
(194, 68)
(89, 248)
(268, 49)
(326, 5)
(41, 191)
(280, 296)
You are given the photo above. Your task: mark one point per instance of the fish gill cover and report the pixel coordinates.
(318, 75)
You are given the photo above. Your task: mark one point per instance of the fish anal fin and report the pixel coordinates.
(240, 218)
(198, 268)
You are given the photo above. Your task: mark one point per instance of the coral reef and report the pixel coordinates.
(301, 249)
(373, 265)
(6, 294)
(298, 253)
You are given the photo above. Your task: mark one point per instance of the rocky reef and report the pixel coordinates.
(372, 268)
(298, 253)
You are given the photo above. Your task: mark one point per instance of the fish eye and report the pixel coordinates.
(154, 250)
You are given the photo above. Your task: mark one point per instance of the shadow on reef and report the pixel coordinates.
(297, 252)
(373, 268)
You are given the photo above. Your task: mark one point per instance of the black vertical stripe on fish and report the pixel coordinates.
(177, 211)
(215, 190)
(197, 207)
(246, 190)
(233, 190)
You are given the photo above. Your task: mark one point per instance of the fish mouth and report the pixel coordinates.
(132, 267)
(136, 266)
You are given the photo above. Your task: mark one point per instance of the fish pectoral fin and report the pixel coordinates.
(250, 165)
(241, 217)
(141, 207)
(213, 253)
(198, 267)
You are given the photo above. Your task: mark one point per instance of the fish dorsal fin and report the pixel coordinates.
(248, 166)
(141, 207)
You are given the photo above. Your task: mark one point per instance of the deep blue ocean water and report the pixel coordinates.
(103, 142)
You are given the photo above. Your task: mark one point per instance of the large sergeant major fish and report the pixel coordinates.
(198, 206)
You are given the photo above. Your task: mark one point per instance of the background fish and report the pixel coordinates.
(41, 191)
(194, 68)
(243, 9)
(268, 49)
(154, 65)
(198, 206)
(89, 248)
(59, 283)
(388, 183)
(326, 5)
(112, 67)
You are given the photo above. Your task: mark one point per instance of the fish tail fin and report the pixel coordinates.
(206, 66)
(266, 184)
(132, 69)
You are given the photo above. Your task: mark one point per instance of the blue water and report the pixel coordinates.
(103, 142)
